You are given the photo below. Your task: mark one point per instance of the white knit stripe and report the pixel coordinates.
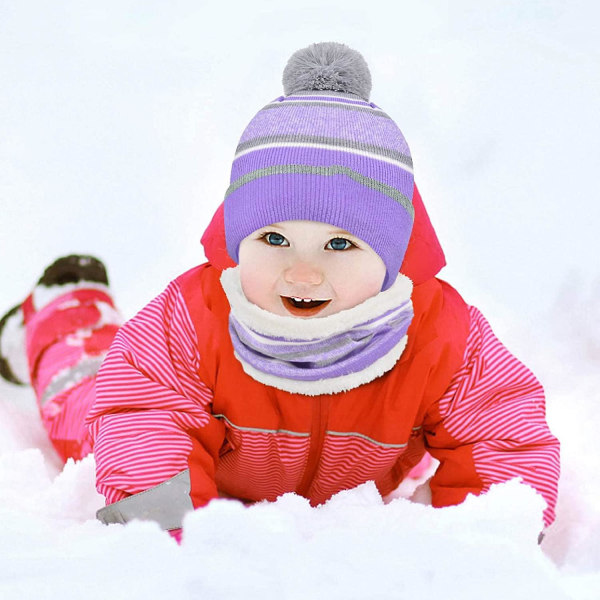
(148, 395)
(497, 405)
(321, 96)
(349, 150)
(329, 99)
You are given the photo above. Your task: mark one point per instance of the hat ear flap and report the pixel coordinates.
(424, 256)
(215, 245)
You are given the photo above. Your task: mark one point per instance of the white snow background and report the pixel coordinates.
(118, 125)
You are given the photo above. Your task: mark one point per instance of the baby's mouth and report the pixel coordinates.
(303, 307)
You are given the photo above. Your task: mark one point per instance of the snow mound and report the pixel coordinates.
(355, 546)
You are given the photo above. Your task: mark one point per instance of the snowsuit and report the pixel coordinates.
(171, 396)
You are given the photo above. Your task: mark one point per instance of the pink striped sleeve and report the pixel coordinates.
(490, 425)
(148, 397)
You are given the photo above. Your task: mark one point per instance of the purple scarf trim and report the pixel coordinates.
(348, 352)
(370, 346)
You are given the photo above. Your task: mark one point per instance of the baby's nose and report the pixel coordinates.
(303, 272)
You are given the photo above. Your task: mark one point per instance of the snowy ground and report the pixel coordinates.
(355, 546)
(119, 121)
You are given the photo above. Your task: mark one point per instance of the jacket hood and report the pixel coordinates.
(423, 260)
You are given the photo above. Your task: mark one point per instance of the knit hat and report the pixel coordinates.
(323, 152)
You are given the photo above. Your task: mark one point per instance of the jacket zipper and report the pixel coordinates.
(320, 412)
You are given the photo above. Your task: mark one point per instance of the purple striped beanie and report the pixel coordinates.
(323, 152)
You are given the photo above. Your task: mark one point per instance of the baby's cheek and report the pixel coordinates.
(358, 281)
(251, 284)
(359, 292)
(257, 285)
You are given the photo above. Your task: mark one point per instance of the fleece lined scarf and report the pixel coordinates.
(320, 355)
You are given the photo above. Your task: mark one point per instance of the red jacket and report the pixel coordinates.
(171, 394)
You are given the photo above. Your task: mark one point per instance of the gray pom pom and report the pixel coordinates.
(327, 66)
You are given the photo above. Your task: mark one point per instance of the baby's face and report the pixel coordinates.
(308, 269)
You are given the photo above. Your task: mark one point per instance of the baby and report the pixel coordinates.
(314, 351)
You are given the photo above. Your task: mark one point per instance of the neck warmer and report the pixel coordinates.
(319, 355)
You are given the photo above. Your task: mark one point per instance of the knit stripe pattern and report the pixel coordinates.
(329, 157)
(150, 395)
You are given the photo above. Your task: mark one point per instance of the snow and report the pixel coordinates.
(119, 123)
(355, 546)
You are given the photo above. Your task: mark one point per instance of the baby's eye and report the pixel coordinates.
(338, 244)
(275, 239)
